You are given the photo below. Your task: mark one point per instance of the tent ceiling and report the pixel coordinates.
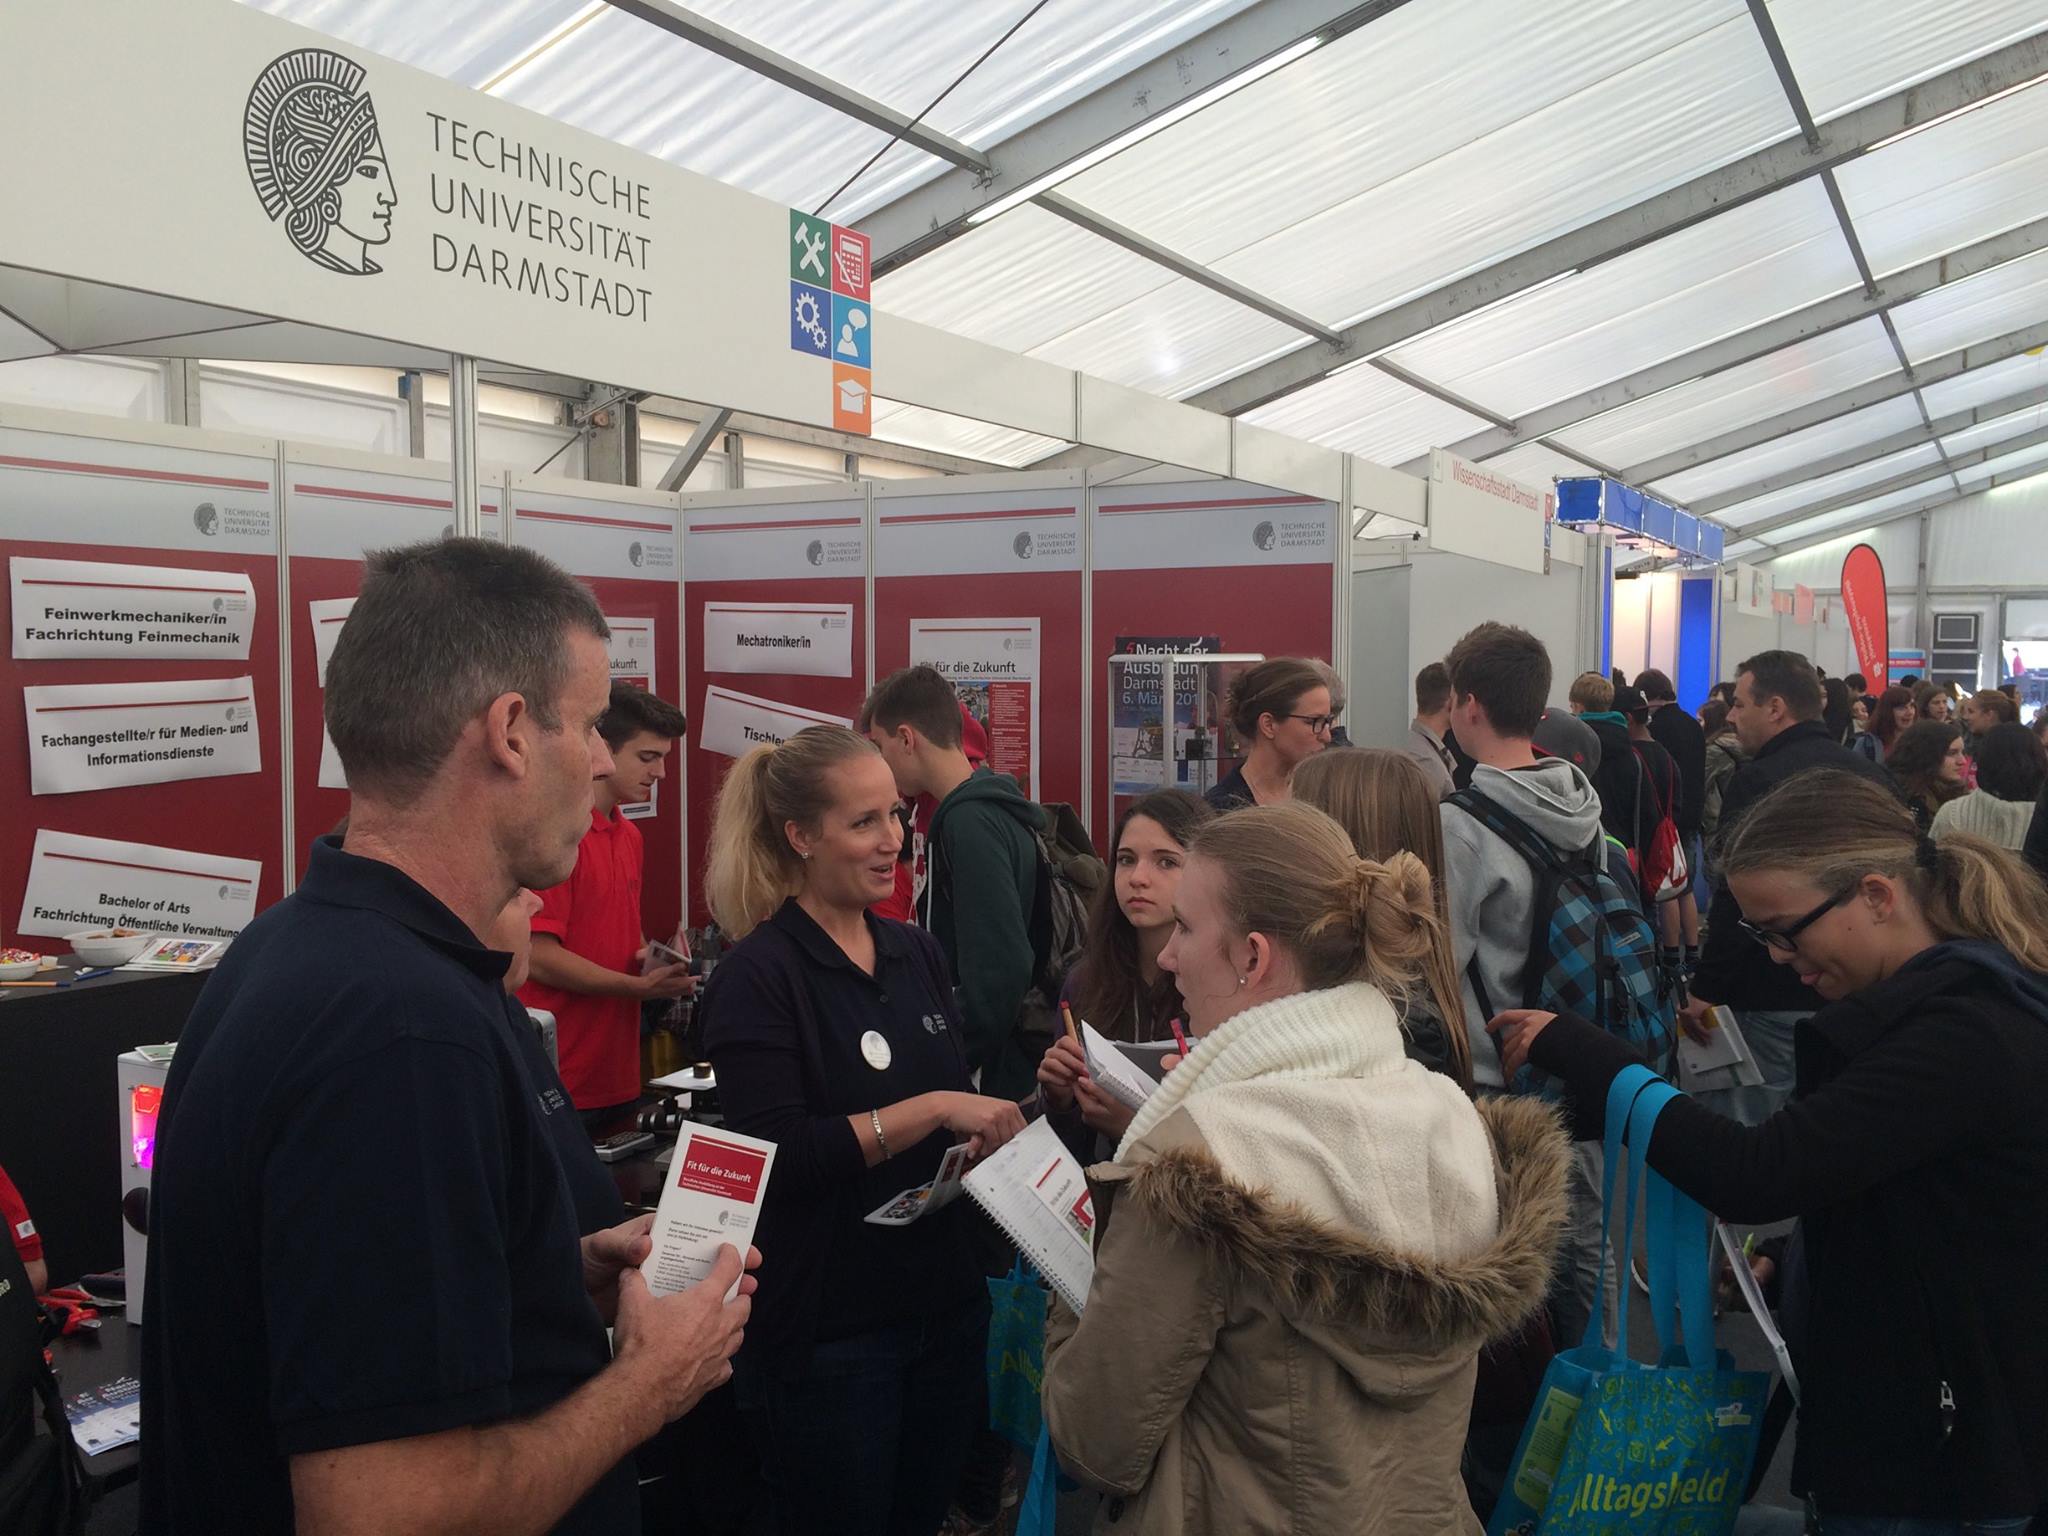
(1598, 241)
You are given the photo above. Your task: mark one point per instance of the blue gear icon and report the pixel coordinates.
(811, 320)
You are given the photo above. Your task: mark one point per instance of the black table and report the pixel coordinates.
(89, 1359)
(60, 1125)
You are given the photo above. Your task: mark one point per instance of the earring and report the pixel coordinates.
(805, 857)
(1241, 980)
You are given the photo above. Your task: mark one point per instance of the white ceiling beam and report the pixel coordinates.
(1896, 515)
(1769, 170)
(686, 24)
(1830, 314)
(1761, 527)
(818, 437)
(1876, 391)
(928, 216)
(1867, 453)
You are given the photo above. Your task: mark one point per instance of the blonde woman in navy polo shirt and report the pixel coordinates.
(834, 1034)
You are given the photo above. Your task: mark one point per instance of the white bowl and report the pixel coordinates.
(102, 948)
(19, 970)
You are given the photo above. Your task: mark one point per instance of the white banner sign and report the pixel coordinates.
(993, 666)
(1208, 523)
(733, 723)
(783, 541)
(971, 533)
(74, 609)
(799, 639)
(331, 776)
(128, 496)
(104, 735)
(76, 883)
(328, 615)
(631, 649)
(590, 537)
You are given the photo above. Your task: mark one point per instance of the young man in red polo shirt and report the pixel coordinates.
(587, 944)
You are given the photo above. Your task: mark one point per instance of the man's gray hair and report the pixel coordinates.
(440, 630)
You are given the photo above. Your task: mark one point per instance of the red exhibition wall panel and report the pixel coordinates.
(623, 543)
(775, 617)
(982, 578)
(338, 507)
(159, 502)
(1249, 565)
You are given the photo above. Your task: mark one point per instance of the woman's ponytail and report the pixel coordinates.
(1977, 890)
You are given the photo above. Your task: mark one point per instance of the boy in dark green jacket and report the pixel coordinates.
(981, 869)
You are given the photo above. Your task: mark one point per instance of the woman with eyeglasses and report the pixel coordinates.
(1283, 714)
(1913, 1152)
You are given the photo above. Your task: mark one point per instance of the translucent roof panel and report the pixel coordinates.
(1828, 487)
(1994, 303)
(1848, 54)
(1985, 434)
(1363, 411)
(1341, 186)
(17, 340)
(1034, 283)
(1019, 281)
(1737, 397)
(1957, 182)
(1539, 464)
(1863, 512)
(1732, 272)
(1987, 385)
(1787, 454)
(940, 432)
(467, 41)
(2004, 464)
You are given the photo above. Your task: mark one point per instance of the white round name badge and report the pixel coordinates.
(875, 1051)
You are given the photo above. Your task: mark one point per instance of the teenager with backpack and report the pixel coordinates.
(982, 869)
(1537, 908)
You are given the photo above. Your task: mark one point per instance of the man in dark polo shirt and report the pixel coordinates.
(587, 943)
(369, 1307)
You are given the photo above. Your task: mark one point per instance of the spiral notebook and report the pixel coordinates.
(1036, 1192)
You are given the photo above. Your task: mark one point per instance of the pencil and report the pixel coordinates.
(1179, 1038)
(1067, 1017)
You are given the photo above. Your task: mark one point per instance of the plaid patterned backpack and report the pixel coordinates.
(1592, 951)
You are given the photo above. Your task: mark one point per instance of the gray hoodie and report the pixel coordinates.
(1492, 889)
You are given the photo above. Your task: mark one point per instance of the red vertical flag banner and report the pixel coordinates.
(1864, 601)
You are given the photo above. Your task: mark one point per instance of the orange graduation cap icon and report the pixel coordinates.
(852, 404)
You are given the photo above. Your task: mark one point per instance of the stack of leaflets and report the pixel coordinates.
(1723, 1060)
(107, 1417)
(716, 1183)
(941, 1192)
(1129, 1074)
(174, 954)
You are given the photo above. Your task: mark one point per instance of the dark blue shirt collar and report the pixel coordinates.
(340, 879)
(799, 925)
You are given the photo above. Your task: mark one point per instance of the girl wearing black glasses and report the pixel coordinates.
(1914, 1152)
(1283, 714)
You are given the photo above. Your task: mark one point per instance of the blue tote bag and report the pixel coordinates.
(1614, 1444)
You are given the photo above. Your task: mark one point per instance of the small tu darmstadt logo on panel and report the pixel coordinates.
(309, 135)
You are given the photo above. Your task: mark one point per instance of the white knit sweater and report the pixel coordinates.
(1983, 814)
(1313, 1098)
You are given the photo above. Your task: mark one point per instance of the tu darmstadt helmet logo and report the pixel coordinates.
(309, 135)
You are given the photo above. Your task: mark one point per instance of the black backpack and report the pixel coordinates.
(42, 1481)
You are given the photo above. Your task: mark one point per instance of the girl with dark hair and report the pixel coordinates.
(1283, 713)
(1117, 984)
(1913, 1151)
(1835, 713)
(1927, 763)
(2011, 767)
(1894, 713)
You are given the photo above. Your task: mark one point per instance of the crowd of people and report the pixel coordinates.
(1332, 1251)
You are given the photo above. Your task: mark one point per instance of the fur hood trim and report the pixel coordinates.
(1326, 1275)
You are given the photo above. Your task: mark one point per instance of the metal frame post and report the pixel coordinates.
(462, 468)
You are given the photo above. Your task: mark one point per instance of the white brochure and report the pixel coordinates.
(716, 1184)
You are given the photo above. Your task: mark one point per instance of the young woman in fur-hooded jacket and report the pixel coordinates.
(1306, 1237)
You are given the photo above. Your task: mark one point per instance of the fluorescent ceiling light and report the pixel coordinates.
(1145, 130)
(1936, 122)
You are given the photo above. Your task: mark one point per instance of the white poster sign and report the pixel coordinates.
(631, 649)
(73, 609)
(993, 666)
(778, 541)
(1207, 524)
(1478, 512)
(795, 639)
(331, 776)
(732, 723)
(104, 735)
(588, 536)
(76, 883)
(920, 532)
(328, 614)
(55, 486)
